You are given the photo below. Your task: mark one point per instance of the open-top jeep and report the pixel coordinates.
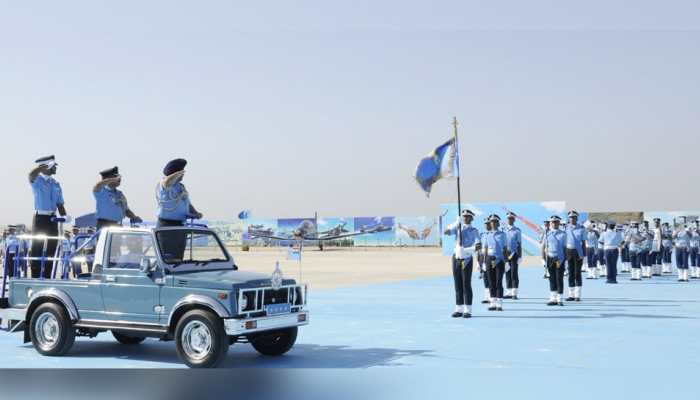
(174, 283)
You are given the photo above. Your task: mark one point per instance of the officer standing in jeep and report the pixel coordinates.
(110, 203)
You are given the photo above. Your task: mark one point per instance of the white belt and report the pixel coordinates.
(552, 255)
(571, 247)
(44, 212)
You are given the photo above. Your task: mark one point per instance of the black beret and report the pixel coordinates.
(174, 166)
(110, 173)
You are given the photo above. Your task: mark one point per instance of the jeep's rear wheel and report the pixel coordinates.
(127, 339)
(275, 343)
(51, 330)
(201, 340)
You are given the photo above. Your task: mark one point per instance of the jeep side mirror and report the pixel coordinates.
(145, 265)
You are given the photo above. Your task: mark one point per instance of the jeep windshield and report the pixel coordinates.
(188, 249)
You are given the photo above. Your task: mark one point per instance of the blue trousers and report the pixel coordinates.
(611, 264)
(694, 257)
(591, 255)
(634, 259)
(681, 258)
(667, 251)
(644, 258)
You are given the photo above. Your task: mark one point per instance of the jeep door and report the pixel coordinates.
(130, 294)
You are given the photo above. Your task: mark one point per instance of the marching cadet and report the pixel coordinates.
(681, 239)
(667, 248)
(624, 252)
(633, 240)
(110, 202)
(554, 249)
(494, 257)
(575, 252)
(48, 197)
(694, 250)
(656, 248)
(467, 242)
(591, 247)
(602, 270)
(482, 263)
(543, 237)
(514, 246)
(645, 246)
(611, 240)
(174, 204)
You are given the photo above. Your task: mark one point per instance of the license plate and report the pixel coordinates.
(274, 309)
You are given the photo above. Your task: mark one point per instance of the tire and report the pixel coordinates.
(275, 343)
(201, 340)
(127, 339)
(51, 330)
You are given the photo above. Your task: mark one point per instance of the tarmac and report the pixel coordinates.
(398, 339)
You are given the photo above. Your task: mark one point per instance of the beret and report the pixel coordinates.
(174, 166)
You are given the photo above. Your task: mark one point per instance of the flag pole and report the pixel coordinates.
(459, 192)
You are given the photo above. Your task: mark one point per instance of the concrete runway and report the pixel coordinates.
(634, 337)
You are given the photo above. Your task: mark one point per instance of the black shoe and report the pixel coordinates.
(508, 297)
(590, 277)
(515, 297)
(552, 303)
(456, 314)
(499, 308)
(578, 299)
(466, 315)
(485, 302)
(492, 308)
(570, 299)
(611, 282)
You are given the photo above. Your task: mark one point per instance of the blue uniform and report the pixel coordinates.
(47, 194)
(611, 241)
(110, 204)
(173, 202)
(555, 250)
(463, 262)
(514, 240)
(682, 243)
(495, 244)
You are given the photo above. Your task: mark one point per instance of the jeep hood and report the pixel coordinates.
(224, 279)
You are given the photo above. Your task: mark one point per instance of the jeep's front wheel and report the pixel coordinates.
(275, 343)
(201, 340)
(127, 339)
(51, 330)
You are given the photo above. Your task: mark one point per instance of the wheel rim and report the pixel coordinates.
(196, 340)
(46, 330)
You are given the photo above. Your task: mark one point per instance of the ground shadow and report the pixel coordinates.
(599, 316)
(244, 356)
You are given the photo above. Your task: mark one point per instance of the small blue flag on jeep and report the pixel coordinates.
(245, 214)
(443, 162)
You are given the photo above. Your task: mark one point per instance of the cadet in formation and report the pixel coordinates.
(695, 250)
(575, 253)
(495, 260)
(467, 243)
(482, 263)
(611, 240)
(554, 250)
(667, 248)
(542, 238)
(514, 247)
(656, 253)
(681, 241)
(48, 198)
(110, 203)
(592, 237)
(633, 240)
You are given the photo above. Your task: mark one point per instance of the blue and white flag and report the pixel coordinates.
(443, 162)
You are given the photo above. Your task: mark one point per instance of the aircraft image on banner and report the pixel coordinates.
(306, 230)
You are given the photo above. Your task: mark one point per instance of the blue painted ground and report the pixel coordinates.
(634, 337)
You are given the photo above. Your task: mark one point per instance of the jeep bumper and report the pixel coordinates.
(238, 327)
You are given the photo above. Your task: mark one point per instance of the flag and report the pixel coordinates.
(245, 214)
(293, 254)
(443, 162)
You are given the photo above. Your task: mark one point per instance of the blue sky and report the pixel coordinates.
(288, 108)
